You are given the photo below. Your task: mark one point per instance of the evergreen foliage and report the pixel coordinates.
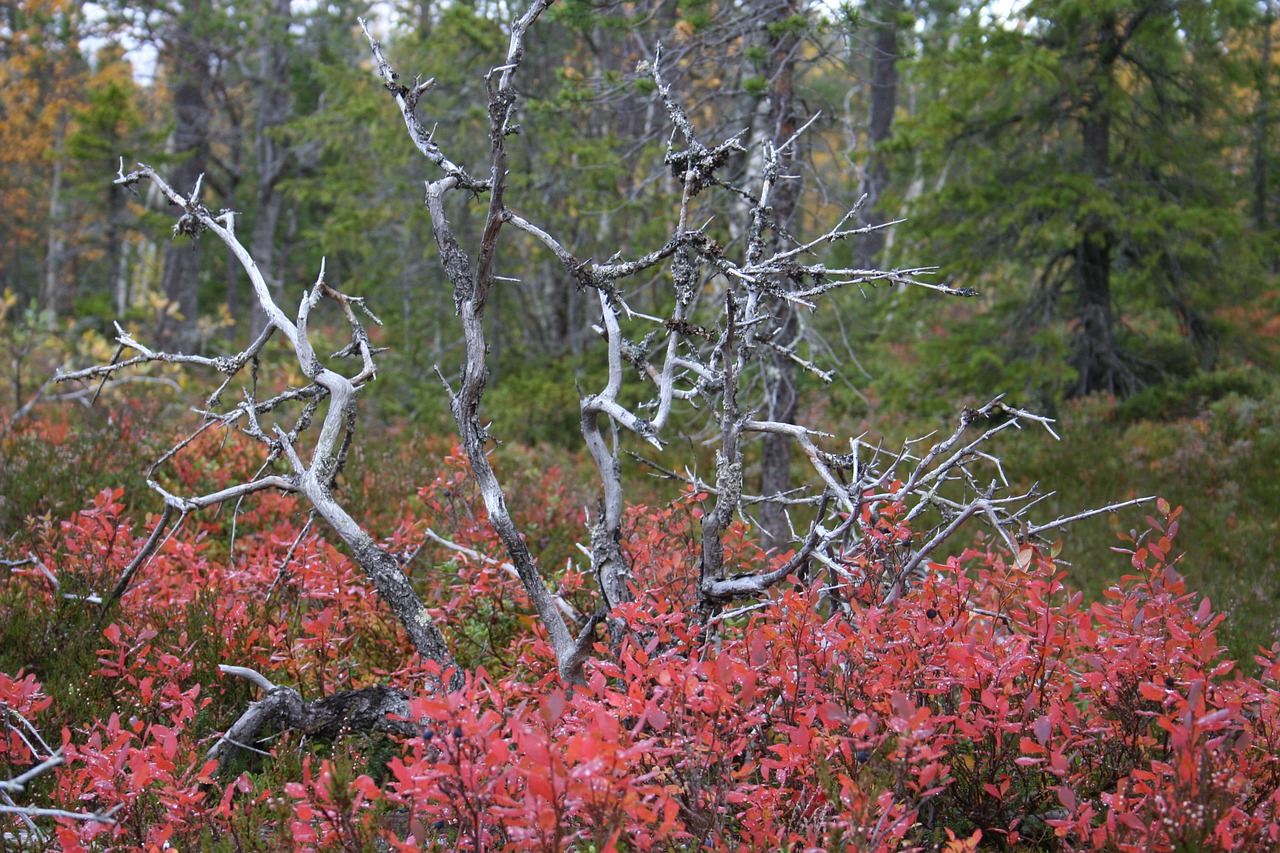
(1084, 152)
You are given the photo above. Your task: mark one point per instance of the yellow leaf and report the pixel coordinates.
(1025, 556)
(955, 845)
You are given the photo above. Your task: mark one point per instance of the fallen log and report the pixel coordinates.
(379, 709)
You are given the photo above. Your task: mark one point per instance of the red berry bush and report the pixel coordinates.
(992, 705)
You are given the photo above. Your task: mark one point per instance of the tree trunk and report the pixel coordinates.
(1097, 360)
(1095, 355)
(423, 14)
(780, 370)
(188, 63)
(118, 249)
(1262, 133)
(272, 155)
(55, 297)
(884, 102)
(232, 172)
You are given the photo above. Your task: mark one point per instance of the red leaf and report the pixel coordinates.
(1043, 727)
(1067, 797)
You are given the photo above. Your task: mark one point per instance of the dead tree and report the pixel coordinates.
(699, 354)
(313, 478)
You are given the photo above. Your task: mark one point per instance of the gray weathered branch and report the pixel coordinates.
(314, 479)
(370, 709)
(471, 289)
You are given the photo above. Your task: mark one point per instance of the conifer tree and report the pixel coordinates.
(1079, 144)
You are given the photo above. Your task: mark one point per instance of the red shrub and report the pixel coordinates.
(990, 704)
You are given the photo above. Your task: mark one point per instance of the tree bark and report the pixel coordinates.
(1262, 133)
(55, 297)
(780, 369)
(1099, 364)
(884, 102)
(1261, 121)
(369, 709)
(1095, 354)
(272, 155)
(118, 249)
(187, 59)
(422, 10)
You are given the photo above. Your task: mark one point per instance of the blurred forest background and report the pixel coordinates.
(1103, 173)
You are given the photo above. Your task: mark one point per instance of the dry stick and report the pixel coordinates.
(923, 475)
(754, 584)
(114, 359)
(284, 564)
(949, 461)
(37, 748)
(471, 292)
(312, 480)
(565, 607)
(177, 448)
(249, 674)
(18, 783)
(143, 556)
(371, 709)
(26, 819)
(145, 354)
(1086, 514)
(74, 396)
(611, 567)
(25, 408)
(747, 498)
(32, 811)
(407, 100)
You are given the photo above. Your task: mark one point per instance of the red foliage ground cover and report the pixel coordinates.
(990, 706)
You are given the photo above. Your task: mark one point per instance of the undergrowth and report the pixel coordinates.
(993, 706)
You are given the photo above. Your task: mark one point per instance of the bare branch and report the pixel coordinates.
(1080, 516)
(140, 559)
(407, 101)
(565, 607)
(32, 811)
(249, 674)
(315, 480)
(19, 782)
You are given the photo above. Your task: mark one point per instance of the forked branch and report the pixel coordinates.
(313, 478)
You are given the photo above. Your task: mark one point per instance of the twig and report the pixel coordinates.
(140, 559)
(32, 811)
(1080, 516)
(250, 674)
